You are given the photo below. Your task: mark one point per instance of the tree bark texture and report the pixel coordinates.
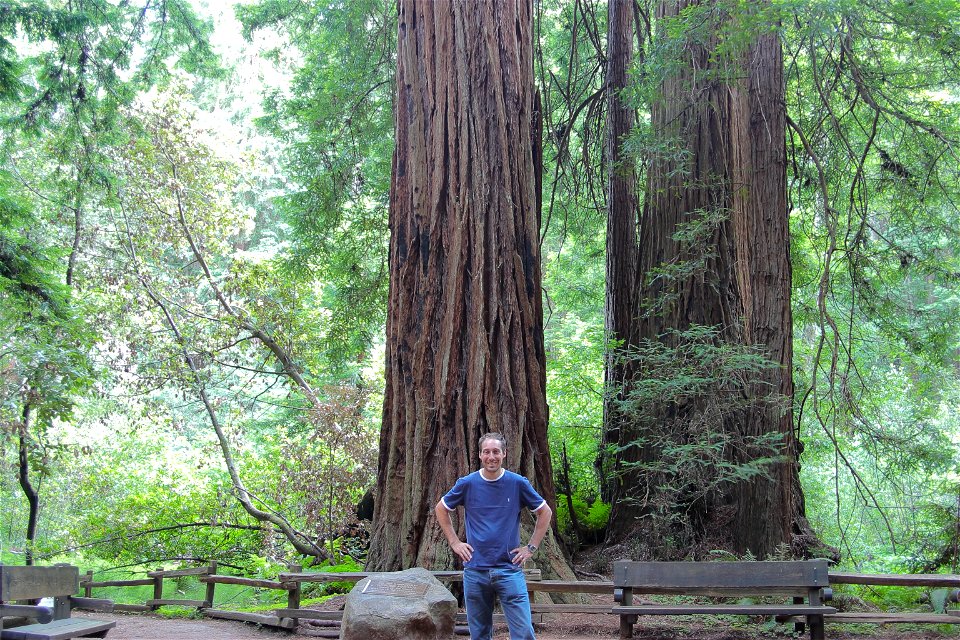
(465, 352)
(727, 118)
(621, 242)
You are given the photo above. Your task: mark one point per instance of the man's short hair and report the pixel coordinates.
(493, 436)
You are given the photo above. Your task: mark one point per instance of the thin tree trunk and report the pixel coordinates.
(465, 350)
(568, 489)
(621, 243)
(33, 498)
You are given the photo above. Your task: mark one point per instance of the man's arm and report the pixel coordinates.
(463, 550)
(544, 514)
(521, 554)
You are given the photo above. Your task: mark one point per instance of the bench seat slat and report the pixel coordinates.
(59, 630)
(721, 592)
(723, 609)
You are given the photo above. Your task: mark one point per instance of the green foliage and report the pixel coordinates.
(87, 61)
(569, 64)
(344, 565)
(874, 190)
(593, 517)
(66, 71)
(336, 126)
(597, 516)
(688, 387)
(574, 392)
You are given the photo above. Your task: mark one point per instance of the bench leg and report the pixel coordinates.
(799, 626)
(627, 621)
(816, 627)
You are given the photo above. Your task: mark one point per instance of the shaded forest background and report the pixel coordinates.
(194, 273)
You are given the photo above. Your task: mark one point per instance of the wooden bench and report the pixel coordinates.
(59, 582)
(805, 581)
(63, 629)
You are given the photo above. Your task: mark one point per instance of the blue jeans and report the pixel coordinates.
(480, 590)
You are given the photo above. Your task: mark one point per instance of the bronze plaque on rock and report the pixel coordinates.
(393, 588)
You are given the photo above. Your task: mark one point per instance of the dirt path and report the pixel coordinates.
(565, 627)
(153, 627)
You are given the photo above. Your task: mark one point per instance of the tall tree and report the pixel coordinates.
(715, 285)
(464, 327)
(621, 190)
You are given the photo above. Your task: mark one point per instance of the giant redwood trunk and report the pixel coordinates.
(724, 116)
(465, 351)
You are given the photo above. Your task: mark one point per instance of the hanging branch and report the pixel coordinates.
(283, 357)
(300, 541)
(827, 319)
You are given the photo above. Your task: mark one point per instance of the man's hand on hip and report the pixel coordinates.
(521, 554)
(463, 550)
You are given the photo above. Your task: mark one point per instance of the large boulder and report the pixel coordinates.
(403, 605)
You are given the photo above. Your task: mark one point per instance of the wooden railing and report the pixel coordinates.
(292, 580)
(932, 580)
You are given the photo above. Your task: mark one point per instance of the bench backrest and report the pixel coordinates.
(721, 578)
(27, 583)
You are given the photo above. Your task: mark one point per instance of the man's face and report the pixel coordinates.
(491, 456)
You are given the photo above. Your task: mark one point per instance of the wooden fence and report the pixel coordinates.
(292, 580)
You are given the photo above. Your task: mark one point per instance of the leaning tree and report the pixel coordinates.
(465, 351)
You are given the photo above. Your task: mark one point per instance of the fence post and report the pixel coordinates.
(211, 586)
(87, 589)
(293, 596)
(157, 588)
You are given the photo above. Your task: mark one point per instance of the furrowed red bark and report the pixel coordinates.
(465, 351)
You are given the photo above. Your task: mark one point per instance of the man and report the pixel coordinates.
(492, 555)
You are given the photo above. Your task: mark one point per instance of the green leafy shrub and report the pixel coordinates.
(564, 521)
(598, 515)
(346, 564)
(592, 516)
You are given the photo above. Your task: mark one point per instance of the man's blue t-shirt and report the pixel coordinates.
(492, 514)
